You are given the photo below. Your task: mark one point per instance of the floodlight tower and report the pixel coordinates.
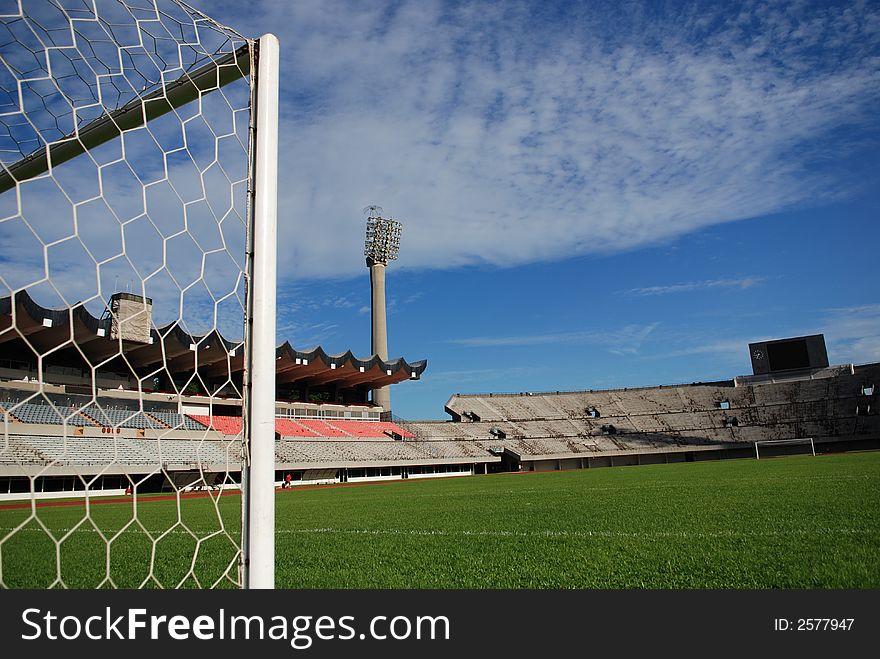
(381, 246)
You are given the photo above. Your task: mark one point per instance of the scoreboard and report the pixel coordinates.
(796, 353)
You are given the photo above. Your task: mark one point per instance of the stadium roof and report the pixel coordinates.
(76, 328)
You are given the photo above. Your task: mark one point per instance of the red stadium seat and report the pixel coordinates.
(228, 425)
(291, 428)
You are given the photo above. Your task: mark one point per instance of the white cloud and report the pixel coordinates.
(495, 136)
(731, 349)
(854, 333)
(624, 340)
(499, 138)
(743, 283)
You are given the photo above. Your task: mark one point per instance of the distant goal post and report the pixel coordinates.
(784, 442)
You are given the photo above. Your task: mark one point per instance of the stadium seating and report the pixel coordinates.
(98, 451)
(370, 428)
(452, 449)
(322, 428)
(175, 451)
(20, 453)
(528, 426)
(291, 428)
(38, 410)
(119, 418)
(89, 451)
(228, 425)
(45, 413)
(306, 428)
(175, 420)
(353, 451)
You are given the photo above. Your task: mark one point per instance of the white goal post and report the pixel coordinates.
(259, 523)
(783, 442)
(138, 215)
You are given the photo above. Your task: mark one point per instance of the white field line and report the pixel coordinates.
(581, 534)
(499, 533)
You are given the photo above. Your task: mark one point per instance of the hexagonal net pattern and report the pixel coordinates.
(124, 196)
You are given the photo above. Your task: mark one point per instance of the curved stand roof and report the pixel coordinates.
(172, 348)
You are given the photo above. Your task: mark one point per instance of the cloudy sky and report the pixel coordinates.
(513, 132)
(593, 194)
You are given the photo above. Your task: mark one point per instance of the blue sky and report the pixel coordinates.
(593, 194)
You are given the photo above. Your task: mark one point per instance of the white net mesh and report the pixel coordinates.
(124, 145)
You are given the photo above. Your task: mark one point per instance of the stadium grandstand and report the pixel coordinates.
(68, 420)
(72, 423)
(835, 406)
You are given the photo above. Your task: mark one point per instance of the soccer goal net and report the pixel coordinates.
(137, 215)
(771, 444)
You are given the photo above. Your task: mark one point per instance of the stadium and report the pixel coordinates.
(169, 447)
(146, 430)
(328, 431)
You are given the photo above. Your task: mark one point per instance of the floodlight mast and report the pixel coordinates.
(381, 246)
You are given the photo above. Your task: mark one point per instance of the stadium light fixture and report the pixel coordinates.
(382, 242)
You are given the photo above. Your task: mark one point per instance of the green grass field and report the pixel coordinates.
(797, 522)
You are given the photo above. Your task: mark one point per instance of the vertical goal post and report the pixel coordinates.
(148, 124)
(259, 558)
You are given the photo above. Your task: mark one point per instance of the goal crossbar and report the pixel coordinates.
(213, 75)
